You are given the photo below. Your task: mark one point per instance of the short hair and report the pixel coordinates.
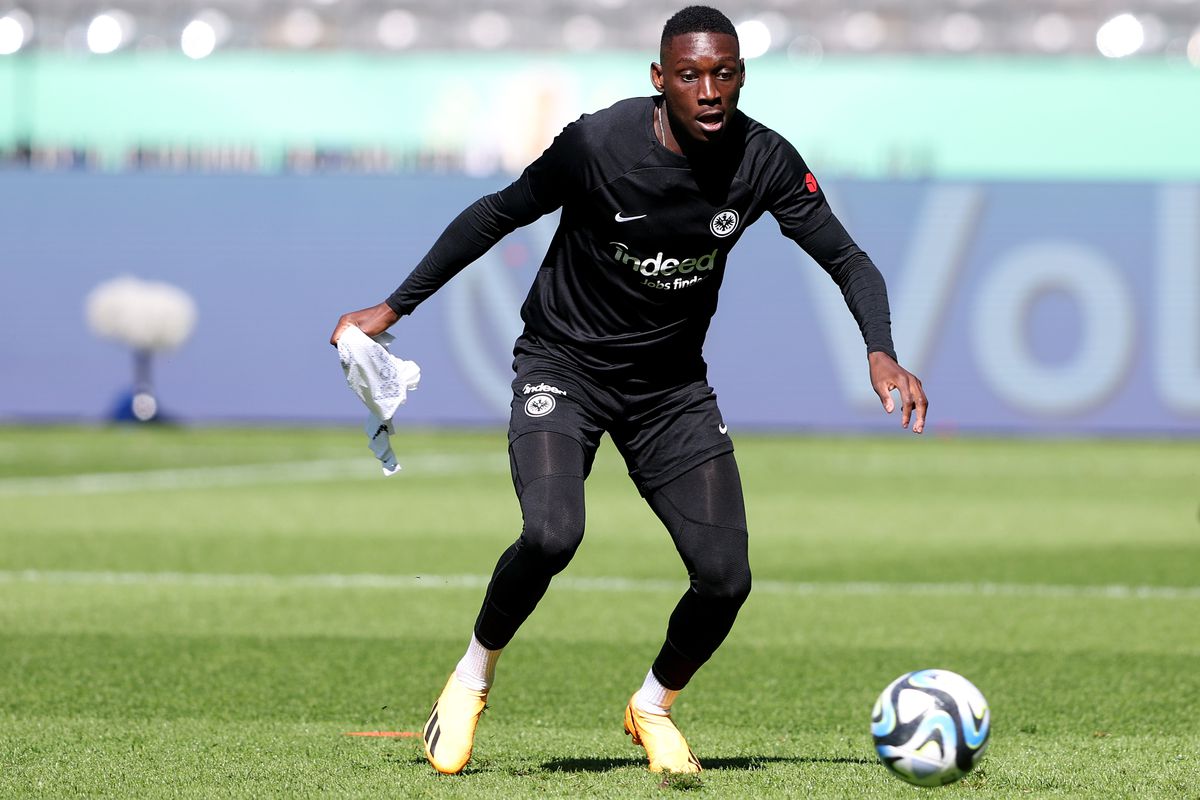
(696, 19)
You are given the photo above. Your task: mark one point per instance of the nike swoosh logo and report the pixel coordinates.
(620, 218)
(722, 428)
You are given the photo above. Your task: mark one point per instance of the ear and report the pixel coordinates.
(656, 76)
(742, 80)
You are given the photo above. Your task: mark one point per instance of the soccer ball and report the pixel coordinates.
(930, 726)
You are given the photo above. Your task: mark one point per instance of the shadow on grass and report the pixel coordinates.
(747, 763)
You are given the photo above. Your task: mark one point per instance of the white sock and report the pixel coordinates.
(653, 697)
(477, 668)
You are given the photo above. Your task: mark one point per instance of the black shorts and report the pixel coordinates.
(660, 431)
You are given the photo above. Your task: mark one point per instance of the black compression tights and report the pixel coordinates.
(548, 471)
(702, 509)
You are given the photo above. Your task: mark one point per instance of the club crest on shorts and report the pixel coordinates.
(724, 223)
(539, 405)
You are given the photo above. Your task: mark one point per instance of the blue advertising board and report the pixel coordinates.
(1024, 307)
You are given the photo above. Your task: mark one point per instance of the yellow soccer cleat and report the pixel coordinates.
(450, 731)
(665, 745)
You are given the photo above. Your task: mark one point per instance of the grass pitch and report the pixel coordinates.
(208, 613)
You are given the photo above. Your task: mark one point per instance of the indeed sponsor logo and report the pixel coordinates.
(660, 266)
(543, 387)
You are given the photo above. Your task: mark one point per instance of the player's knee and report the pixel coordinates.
(723, 574)
(551, 543)
(553, 511)
(731, 587)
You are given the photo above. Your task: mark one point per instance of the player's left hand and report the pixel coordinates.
(887, 375)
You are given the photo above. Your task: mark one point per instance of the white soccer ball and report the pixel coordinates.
(930, 726)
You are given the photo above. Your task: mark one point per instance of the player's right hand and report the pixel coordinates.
(371, 321)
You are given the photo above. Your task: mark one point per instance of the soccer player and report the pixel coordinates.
(654, 192)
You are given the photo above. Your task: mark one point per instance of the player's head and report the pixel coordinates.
(700, 73)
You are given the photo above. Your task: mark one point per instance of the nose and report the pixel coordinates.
(707, 93)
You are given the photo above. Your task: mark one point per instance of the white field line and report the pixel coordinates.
(245, 475)
(609, 584)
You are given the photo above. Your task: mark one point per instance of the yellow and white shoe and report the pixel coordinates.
(665, 745)
(450, 731)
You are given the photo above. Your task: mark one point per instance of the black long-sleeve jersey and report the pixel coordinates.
(631, 277)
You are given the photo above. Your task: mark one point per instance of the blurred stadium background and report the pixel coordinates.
(1026, 175)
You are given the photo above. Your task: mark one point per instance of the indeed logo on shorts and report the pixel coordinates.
(657, 265)
(542, 387)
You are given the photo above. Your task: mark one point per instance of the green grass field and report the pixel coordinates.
(207, 613)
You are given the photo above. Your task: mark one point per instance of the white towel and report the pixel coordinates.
(382, 381)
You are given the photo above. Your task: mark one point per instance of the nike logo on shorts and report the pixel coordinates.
(620, 218)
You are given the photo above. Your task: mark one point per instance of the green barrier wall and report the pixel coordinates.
(938, 118)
